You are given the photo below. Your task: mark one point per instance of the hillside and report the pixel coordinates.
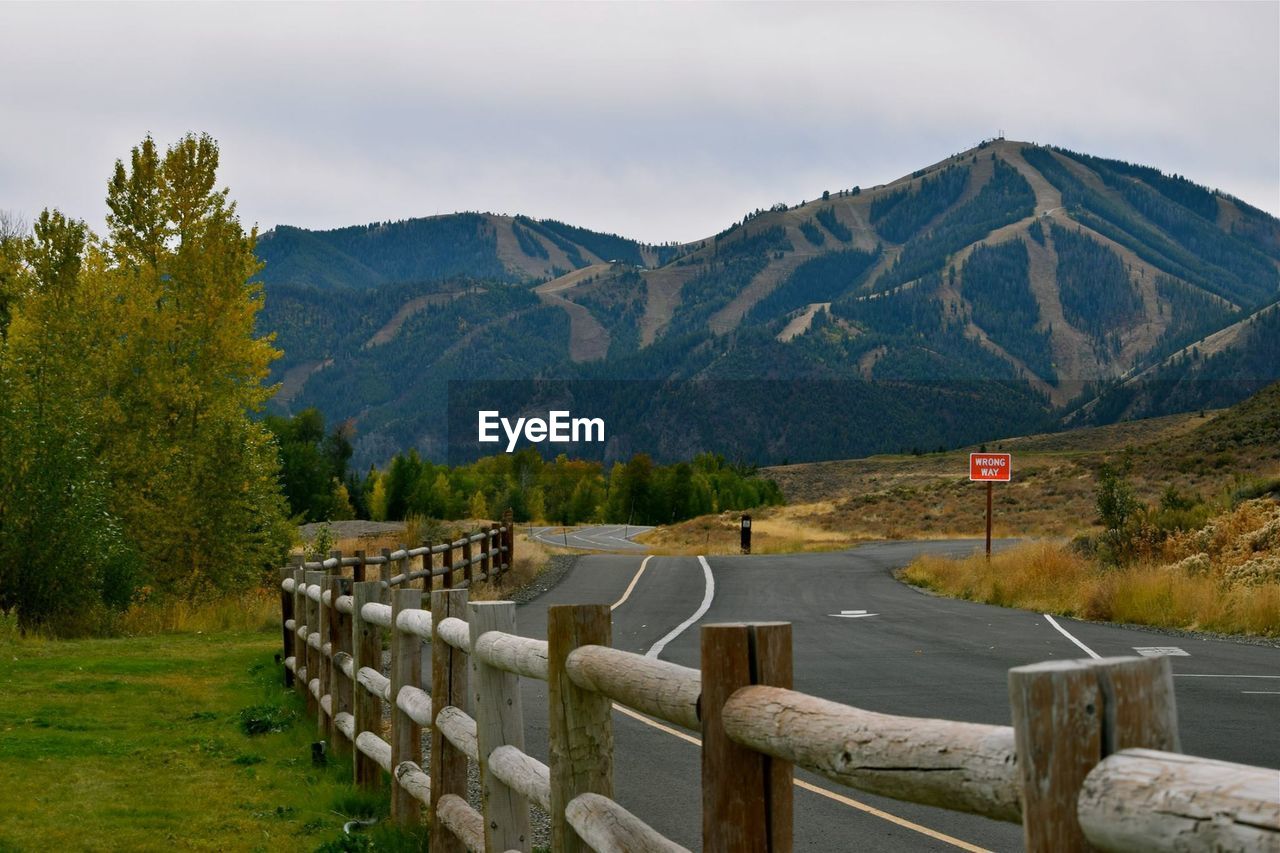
(1212, 455)
(1056, 285)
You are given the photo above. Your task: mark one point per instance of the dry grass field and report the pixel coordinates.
(1051, 495)
(1224, 577)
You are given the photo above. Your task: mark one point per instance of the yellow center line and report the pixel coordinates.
(817, 789)
(799, 783)
(631, 585)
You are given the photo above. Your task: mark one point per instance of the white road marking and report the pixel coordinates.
(820, 791)
(1262, 692)
(852, 614)
(1216, 675)
(697, 614)
(631, 585)
(1161, 651)
(1090, 652)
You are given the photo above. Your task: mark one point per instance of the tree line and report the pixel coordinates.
(320, 487)
(129, 368)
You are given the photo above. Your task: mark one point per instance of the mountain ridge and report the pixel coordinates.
(1005, 262)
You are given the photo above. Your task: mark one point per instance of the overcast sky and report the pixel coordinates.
(657, 121)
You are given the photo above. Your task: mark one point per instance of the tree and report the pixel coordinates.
(63, 555)
(313, 466)
(194, 477)
(1115, 500)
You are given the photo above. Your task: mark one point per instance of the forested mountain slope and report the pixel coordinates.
(1057, 284)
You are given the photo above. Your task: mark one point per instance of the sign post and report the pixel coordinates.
(746, 533)
(990, 468)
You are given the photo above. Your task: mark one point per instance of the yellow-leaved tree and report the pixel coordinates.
(130, 371)
(194, 477)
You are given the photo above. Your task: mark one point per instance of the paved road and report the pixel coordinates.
(919, 655)
(607, 537)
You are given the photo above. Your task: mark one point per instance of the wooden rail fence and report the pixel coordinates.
(1091, 761)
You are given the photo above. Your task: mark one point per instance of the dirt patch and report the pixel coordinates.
(296, 377)
(800, 323)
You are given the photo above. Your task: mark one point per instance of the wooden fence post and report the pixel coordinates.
(325, 627)
(486, 564)
(467, 571)
(499, 721)
(287, 634)
(300, 618)
(1057, 723)
(406, 735)
(333, 638)
(313, 654)
(509, 520)
(367, 708)
(343, 692)
(427, 580)
(580, 725)
(1067, 717)
(1139, 708)
(448, 687)
(497, 541)
(447, 559)
(388, 570)
(746, 795)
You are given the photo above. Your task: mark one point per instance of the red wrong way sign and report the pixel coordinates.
(990, 467)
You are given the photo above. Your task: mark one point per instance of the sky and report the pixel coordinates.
(659, 121)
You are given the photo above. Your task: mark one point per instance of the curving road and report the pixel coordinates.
(862, 638)
(605, 537)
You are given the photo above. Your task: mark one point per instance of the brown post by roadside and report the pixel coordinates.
(990, 487)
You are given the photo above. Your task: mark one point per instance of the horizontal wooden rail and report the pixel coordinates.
(665, 690)
(510, 653)
(378, 614)
(609, 828)
(1143, 799)
(413, 779)
(375, 682)
(399, 554)
(455, 632)
(376, 748)
(965, 767)
(416, 703)
(459, 729)
(522, 772)
(416, 622)
(463, 821)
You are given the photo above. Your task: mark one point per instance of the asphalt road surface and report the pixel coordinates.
(607, 537)
(906, 653)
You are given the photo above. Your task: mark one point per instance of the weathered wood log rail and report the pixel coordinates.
(1091, 761)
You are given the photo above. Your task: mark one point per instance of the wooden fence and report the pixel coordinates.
(1091, 762)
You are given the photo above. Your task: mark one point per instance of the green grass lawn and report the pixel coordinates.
(138, 744)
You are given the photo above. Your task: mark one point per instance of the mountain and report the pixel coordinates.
(1008, 288)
